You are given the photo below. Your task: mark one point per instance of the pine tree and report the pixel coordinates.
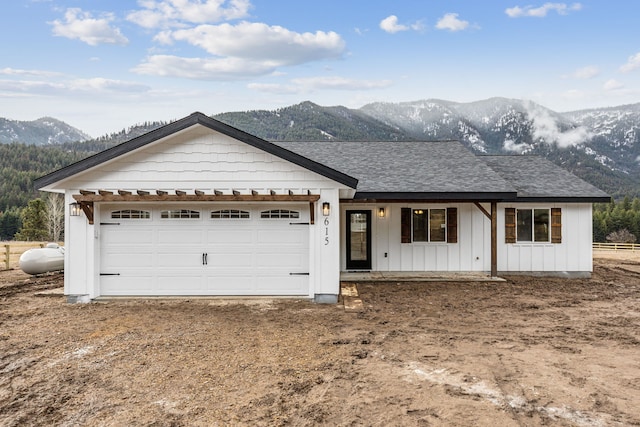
(34, 222)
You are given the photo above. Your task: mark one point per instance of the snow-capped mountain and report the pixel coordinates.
(600, 145)
(43, 131)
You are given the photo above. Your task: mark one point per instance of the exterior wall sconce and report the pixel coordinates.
(381, 213)
(74, 209)
(326, 209)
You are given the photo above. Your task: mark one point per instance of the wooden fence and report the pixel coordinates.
(11, 251)
(616, 246)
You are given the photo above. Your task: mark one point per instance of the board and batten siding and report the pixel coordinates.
(573, 254)
(472, 252)
(200, 159)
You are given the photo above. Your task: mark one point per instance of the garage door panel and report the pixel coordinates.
(283, 236)
(178, 259)
(122, 260)
(230, 261)
(115, 234)
(183, 236)
(280, 260)
(181, 284)
(253, 256)
(233, 284)
(127, 285)
(278, 285)
(232, 235)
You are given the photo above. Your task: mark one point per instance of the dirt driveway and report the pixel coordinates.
(527, 352)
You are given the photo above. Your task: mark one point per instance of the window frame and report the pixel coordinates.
(182, 214)
(279, 214)
(229, 214)
(532, 226)
(427, 225)
(142, 214)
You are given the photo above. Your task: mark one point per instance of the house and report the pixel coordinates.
(198, 207)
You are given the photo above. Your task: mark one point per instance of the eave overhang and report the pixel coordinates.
(436, 197)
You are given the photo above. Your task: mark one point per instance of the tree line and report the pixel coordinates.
(617, 222)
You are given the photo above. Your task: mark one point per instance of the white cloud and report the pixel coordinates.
(175, 13)
(35, 73)
(93, 31)
(107, 85)
(390, 25)
(542, 11)
(240, 51)
(275, 88)
(91, 86)
(586, 73)
(451, 22)
(546, 127)
(204, 68)
(340, 83)
(312, 84)
(259, 41)
(632, 63)
(510, 145)
(612, 84)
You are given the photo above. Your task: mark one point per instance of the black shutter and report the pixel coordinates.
(452, 225)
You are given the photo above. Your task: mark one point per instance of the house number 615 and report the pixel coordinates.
(326, 231)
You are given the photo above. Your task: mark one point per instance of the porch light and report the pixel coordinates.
(74, 209)
(326, 209)
(381, 212)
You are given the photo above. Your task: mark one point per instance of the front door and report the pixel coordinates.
(358, 240)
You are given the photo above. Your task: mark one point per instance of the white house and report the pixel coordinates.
(198, 207)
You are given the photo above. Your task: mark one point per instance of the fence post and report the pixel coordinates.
(7, 251)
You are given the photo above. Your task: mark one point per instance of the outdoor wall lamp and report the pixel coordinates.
(326, 209)
(74, 209)
(381, 212)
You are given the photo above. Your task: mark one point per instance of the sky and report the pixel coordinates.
(104, 65)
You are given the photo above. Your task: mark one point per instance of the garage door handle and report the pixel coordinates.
(204, 259)
(298, 274)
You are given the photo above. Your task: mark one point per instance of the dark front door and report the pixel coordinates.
(358, 240)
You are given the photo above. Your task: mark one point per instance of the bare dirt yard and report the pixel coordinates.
(526, 352)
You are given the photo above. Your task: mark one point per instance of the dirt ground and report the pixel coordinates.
(526, 352)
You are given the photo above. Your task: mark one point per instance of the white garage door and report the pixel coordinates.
(212, 250)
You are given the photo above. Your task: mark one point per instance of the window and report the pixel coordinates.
(179, 213)
(533, 225)
(280, 213)
(429, 225)
(229, 214)
(130, 214)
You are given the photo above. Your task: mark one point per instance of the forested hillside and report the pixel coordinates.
(20, 164)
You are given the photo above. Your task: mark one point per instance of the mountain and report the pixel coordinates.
(600, 145)
(310, 122)
(43, 131)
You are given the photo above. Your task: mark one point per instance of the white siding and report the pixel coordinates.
(469, 254)
(200, 159)
(574, 254)
(473, 250)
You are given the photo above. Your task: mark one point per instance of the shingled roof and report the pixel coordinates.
(446, 170)
(536, 178)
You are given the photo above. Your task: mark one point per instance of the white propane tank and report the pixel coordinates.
(42, 260)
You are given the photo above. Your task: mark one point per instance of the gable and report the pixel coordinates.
(198, 158)
(189, 151)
